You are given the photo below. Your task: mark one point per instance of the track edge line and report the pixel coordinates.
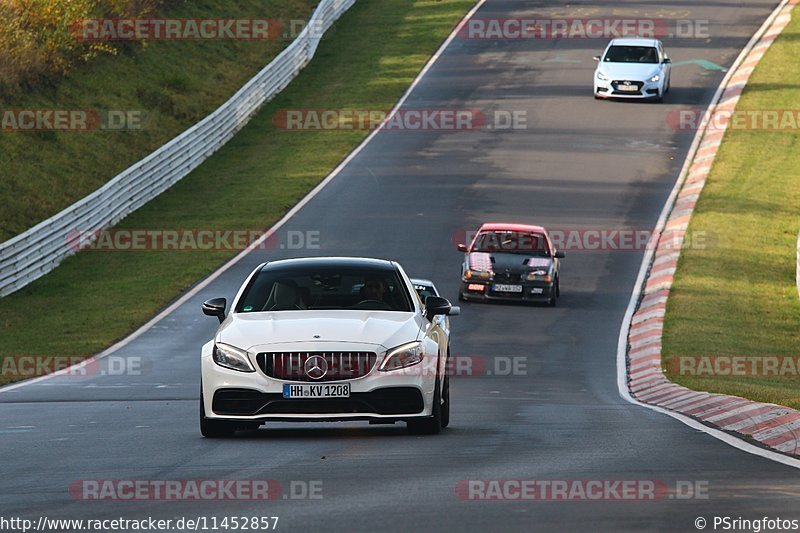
(647, 261)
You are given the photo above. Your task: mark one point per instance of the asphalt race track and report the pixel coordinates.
(581, 163)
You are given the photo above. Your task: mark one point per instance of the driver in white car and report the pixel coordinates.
(286, 296)
(374, 289)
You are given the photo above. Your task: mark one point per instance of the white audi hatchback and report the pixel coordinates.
(324, 339)
(633, 68)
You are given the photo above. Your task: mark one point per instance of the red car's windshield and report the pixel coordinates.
(531, 244)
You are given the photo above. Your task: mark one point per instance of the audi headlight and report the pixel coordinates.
(601, 76)
(478, 274)
(233, 358)
(655, 78)
(403, 356)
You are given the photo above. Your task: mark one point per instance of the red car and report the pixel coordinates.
(510, 262)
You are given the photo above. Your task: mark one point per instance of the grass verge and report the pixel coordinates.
(95, 298)
(738, 296)
(172, 83)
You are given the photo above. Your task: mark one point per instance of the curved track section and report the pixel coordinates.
(581, 164)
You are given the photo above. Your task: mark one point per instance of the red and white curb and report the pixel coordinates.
(771, 426)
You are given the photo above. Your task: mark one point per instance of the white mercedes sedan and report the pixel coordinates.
(324, 339)
(633, 68)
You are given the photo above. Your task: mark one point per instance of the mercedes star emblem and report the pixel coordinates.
(316, 367)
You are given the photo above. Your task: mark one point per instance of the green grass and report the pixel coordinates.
(95, 298)
(738, 296)
(175, 83)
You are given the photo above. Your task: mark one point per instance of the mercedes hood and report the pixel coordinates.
(378, 328)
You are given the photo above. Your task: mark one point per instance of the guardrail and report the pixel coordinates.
(43, 247)
(797, 269)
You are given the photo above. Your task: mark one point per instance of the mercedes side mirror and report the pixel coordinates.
(560, 254)
(436, 305)
(462, 248)
(215, 307)
(596, 58)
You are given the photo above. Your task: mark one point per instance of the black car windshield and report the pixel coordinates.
(515, 242)
(631, 54)
(335, 287)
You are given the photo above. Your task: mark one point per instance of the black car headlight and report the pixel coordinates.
(233, 358)
(478, 275)
(539, 275)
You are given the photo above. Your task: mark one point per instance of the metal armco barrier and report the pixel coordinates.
(43, 247)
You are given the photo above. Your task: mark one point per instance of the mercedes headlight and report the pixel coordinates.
(233, 358)
(402, 356)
